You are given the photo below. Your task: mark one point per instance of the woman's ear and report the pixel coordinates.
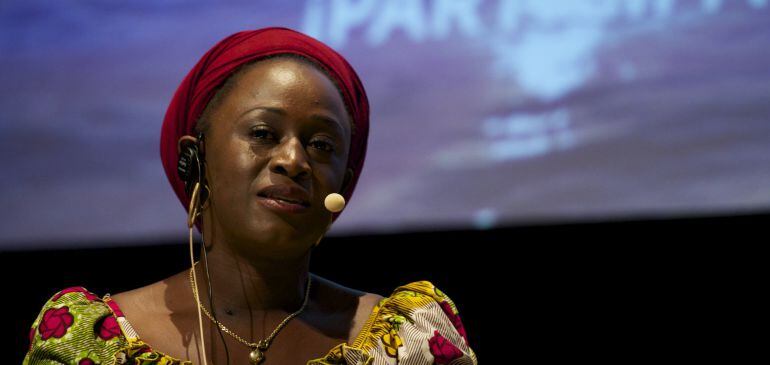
(183, 140)
(346, 180)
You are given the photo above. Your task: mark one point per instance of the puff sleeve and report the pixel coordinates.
(417, 325)
(74, 327)
(431, 330)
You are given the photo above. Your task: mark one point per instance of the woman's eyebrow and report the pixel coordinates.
(271, 109)
(329, 121)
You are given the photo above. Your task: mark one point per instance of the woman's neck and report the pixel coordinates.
(251, 285)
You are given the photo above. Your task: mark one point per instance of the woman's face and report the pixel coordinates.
(283, 123)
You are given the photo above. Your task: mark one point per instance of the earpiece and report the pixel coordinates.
(190, 166)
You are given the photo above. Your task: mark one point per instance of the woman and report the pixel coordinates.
(262, 130)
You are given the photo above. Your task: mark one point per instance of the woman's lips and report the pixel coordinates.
(282, 205)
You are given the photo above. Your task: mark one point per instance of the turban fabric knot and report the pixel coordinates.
(201, 83)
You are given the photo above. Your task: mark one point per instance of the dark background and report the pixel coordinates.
(606, 291)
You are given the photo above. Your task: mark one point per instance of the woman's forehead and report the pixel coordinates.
(289, 84)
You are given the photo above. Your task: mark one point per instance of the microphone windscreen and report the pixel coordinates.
(334, 202)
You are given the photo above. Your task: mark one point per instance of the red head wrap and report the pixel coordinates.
(200, 85)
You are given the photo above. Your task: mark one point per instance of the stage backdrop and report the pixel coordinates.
(484, 113)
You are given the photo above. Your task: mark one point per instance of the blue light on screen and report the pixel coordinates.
(484, 113)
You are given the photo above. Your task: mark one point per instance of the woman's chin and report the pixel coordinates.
(266, 225)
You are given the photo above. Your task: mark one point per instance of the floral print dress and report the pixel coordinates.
(417, 324)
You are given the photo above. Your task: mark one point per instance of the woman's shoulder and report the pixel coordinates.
(336, 296)
(417, 323)
(74, 326)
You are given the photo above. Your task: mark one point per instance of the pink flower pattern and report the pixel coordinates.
(108, 328)
(55, 322)
(455, 318)
(442, 350)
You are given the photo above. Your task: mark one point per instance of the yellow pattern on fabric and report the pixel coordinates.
(135, 350)
(392, 342)
(380, 337)
(384, 324)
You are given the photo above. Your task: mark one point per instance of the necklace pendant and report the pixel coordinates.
(256, 357)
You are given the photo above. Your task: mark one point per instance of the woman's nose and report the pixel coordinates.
(291, 160)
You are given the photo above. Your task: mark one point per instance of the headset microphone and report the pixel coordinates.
(334, 202)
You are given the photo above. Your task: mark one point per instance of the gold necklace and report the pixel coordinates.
(258, 349)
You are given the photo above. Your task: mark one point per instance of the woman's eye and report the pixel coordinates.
(325, 146)
(261, 133)
(266, 134)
